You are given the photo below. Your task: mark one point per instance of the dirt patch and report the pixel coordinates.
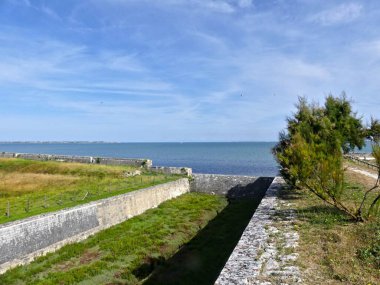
(65, 266)
(355, 177)
(348, 163)
(88, 257)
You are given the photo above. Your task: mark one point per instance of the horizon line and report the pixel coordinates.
(120, 142)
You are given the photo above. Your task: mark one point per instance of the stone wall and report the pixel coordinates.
(80, 159)
(229, 185)
(172, 170)
(256, 259)
(101, 160)
(21, 241)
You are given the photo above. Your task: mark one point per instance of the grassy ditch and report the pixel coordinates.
(30, 187)
(126, 253)
(186, 240)
(333, 249)
(204, 256)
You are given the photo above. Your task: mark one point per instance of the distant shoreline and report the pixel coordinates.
(108, 142)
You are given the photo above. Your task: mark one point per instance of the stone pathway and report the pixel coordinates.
(266, 252)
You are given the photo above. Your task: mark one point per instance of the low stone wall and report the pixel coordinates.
(172, 170)
(21, 241)
(80, 159)
(256, 259)
(232, 186)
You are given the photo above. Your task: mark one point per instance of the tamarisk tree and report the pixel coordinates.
(310, 151)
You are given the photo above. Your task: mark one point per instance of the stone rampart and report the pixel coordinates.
(80, 159)
(172, 170)
(101, 160)
(232, 186)
(21, 241)
(256, 259)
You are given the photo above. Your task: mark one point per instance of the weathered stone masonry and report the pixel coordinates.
(79, 159)
(232, 186)
(139, 162)
(21, 241)
(256, 259)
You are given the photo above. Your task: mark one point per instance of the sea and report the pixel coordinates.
(236, 158)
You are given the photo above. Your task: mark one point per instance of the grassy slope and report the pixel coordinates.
(34, 187)
(333, 249)
(129, 252)
(201, 260)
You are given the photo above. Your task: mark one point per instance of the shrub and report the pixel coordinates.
(310, 151)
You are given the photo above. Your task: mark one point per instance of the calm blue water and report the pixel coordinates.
(248, 158)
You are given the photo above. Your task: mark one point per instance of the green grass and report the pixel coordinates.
(129, 252)
(29, 187)
(333, 248)
(201, 260)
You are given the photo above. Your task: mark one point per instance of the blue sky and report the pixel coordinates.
(179, 70)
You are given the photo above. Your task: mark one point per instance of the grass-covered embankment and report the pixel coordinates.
(333, 248)
(129, 252)
(29, 187)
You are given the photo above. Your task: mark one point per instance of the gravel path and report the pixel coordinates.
(366, 173)
(266, 252)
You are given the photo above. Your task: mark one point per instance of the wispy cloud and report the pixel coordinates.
(175, 69)
(41, 8)
(221, 6)
(343, 13)
(245, 3)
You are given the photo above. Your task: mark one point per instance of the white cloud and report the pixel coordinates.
(221, 6)
(40, 8)
(217, 6)
(340, 14)
(245, 3)
(49, 12)
(370, 49)
(191, 74)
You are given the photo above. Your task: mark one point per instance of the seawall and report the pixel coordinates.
(22, 241)
(139, 162)
(79, 159)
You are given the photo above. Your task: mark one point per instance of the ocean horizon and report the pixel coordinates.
(234, 158)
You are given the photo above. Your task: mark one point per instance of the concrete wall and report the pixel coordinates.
(230, 185)
(23, 240)
(80, 159)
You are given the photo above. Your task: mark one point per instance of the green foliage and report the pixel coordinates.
(310, 151)
(373, 132)
(375, 206)
(350, 129)
(310, 141)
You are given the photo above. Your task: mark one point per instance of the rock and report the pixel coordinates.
(132, 173)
